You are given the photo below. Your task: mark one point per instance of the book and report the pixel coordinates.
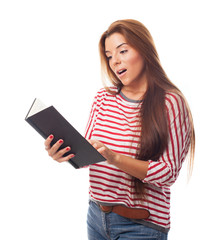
(47, 120)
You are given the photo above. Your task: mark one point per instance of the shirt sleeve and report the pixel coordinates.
(98, 99)
(91, 120)
(165, 171)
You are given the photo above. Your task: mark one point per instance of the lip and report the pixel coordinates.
(121, 74)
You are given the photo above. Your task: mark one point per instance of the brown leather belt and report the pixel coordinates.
(133, 213)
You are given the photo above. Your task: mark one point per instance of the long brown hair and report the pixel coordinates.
(154, 136)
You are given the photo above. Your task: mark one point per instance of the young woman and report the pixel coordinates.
(142, 125)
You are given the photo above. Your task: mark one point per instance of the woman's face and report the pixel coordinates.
(124, 61)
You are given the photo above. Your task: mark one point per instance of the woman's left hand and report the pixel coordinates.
(108, 154)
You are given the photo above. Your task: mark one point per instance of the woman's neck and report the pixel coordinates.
(136, 91)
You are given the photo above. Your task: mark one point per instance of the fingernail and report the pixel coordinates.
(51, 136)
(68, 148)
(61, 141)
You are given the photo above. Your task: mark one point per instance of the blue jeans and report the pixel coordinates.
(111, 226)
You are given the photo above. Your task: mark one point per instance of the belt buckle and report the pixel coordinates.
(109, 210)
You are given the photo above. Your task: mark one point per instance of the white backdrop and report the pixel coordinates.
(49, 49)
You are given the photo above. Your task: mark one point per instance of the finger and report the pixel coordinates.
(65, 159)
(59, 154)
(55, 147)
(94, 143)
(91, 141)
(48, 141)
(101, 150)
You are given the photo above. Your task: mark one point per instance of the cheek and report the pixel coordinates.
(136, 63)
(110, 66)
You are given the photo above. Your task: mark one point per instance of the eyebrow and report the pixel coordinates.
(117, 46)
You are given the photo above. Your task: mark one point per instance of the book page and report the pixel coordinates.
(36, 107)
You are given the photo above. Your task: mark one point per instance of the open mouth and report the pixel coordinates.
(120, 72)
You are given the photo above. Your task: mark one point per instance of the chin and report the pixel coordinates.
(126, 82)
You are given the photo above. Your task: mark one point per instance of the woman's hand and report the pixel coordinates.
(108, 154)
(54, 151)
(136, 168)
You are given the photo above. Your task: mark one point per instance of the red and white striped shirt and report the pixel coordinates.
(115, 120)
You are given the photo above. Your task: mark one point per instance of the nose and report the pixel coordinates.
(116, 60)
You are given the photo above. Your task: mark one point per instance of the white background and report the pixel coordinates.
(49, 49)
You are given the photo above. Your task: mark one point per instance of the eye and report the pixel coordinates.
(108, 57)
(123, 51)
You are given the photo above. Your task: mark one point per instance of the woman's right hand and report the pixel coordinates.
(54, 152)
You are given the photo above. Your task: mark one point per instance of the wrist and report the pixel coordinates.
(116, 159)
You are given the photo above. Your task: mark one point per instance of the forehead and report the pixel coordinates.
(113, 41)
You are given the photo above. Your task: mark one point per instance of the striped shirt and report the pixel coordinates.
(115, 120)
